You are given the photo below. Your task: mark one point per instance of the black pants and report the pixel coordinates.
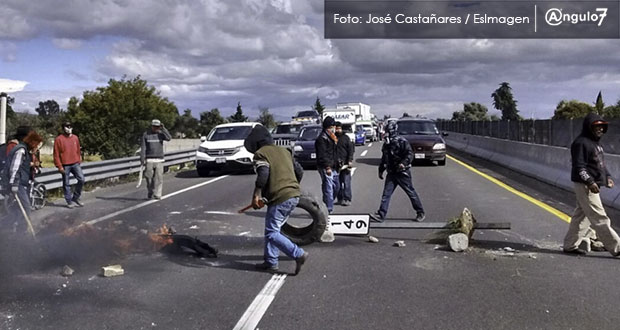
(403, 180)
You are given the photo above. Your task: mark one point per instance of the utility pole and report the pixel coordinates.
(3, 97)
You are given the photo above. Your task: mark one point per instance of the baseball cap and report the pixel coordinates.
(156, 122)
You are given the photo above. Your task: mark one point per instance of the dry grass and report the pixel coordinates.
(48, 160)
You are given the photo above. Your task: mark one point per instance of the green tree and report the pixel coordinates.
(406, 115)
(110, 120)
(599, 105)
(472, 111)
(186, 125)
(504, 101)
(612, 111)
(50, 115)
(318, 107)
(571, 109)
(238, 116)
(11, 124)
(210, 119)
(266, 118)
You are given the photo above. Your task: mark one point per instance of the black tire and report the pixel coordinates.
(311, 233)
(441, 162)
(38, 196)
(202, 171)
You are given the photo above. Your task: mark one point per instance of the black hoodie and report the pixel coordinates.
(588, 162)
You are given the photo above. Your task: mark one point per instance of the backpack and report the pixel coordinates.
(4, 167)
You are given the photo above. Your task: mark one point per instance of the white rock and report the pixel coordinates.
(327, 237)
(458, 242)
(509, 249)
(399, 243)
(112, 270)
(373, 239)
(66, 271)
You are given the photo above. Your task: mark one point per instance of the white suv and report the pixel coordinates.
(223, 149)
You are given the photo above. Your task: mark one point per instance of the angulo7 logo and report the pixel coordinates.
(557, 16)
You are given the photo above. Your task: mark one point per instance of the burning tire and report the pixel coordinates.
(312, 232)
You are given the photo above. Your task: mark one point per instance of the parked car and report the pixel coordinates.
(424, 138)
(304, 150)
(285, 134)
(307, 117)
(360, 137)
(223, 149)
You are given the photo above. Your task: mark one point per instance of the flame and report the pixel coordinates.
(79, 230)
(162, 238)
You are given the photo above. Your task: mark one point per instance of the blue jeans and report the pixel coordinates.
(274, 241)
(76, 169)
(403, 180)
(15, 213)
(345, 186)
(330, 187)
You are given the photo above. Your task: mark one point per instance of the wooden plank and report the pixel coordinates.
(399, 224)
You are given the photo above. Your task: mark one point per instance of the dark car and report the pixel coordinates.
(304, 150)
(285, 134)
(424, 138)
(307, 117)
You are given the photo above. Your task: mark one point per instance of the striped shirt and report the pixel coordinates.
(17, 162)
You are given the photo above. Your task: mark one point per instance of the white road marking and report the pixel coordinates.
(369, 145)
(353, 171)
(245, 233)
(364, 153)
(220, 212)
(135, 207)
(175, 212)
(259, 306)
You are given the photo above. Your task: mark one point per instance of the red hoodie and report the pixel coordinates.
(66, 150)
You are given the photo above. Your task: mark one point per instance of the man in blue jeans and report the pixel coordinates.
(396, 159)
(67, 158)
(277, 183)
(327, 162)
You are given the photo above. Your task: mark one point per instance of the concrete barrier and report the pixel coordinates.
(545, 163)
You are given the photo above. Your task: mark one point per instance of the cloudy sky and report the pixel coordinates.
(203, 54)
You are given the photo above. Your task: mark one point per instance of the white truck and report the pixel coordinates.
(346, 117)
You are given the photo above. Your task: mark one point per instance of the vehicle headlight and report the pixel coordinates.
(439, 146)
(298, 148)
(203, 149)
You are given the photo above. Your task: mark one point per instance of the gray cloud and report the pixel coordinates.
(205, 54)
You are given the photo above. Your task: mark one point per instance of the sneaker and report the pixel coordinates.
(375, 217)
(300, 261)
(157, 197)
(420, 217)
(346, 203)
(576, 251)
(266, 267)
(69, 205)
(78, 203)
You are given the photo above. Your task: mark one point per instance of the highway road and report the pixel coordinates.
(348, 284)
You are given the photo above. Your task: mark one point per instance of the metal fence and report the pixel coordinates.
(560, 133)
(112, 168)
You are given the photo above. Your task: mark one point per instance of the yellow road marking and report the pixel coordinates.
(528, 198)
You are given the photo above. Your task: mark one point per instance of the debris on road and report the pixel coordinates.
(509, 249)
(67, 271)
(458, 242)
(462, 224)
(399, 244)
(112, 270)
(373, 239)
(194, 227)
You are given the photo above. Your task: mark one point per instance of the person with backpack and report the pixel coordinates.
(16, 174)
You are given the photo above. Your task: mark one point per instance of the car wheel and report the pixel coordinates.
(441, 162)
(312, 232)
(202, 171)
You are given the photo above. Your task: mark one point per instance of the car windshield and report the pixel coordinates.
(230, 133)
(288, 129)
(308, 134)
(417, 127)
(309, 113)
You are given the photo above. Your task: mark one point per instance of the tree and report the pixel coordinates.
(503, 101)
(186, 125)
(10, 116)
(406, 115)
(472, 111)
(318, 107)
(238, 116)
(50, 115)
(110, 120)
(599, 105)
(266, 118)
(572, 109)
(210, 119)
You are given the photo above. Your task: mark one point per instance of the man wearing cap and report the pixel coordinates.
(152, 156)
(67, 158)
(588, 174)
(327, 161)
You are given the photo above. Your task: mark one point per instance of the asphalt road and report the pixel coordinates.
(348, 284)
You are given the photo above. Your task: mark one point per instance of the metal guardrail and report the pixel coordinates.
(106, 169)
